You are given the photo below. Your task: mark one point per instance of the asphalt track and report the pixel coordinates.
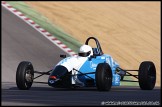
(22, 42)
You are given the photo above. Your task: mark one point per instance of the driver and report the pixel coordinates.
(85, 51)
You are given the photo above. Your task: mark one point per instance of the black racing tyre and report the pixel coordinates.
(147, 75)
(24, 75)
(103, 77)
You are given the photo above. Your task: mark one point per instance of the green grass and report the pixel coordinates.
(129, 83)
(54, 30)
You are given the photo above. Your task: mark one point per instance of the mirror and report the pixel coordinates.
(62, 56)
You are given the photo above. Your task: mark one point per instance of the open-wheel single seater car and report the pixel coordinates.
(89, 68)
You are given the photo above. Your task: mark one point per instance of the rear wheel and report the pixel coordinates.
(103, 77)
(147, 75)
(24, 75)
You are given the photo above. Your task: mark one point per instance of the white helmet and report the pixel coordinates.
(85, 51)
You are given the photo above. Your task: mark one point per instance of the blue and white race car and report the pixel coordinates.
(90, 68)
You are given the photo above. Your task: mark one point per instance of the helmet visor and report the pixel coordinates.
(85, 54)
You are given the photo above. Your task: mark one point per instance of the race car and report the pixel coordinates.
(89, 68)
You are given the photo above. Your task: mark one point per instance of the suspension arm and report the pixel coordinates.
(125, 69)
(84, 73)
(42, 73)
(128, 74)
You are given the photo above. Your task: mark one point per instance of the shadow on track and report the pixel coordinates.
(45, 87)
(44, 95)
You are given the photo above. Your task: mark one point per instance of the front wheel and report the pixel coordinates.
(24, 75)
(103, 77)
(147, 75)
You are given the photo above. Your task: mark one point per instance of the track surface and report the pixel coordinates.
(21, 42)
